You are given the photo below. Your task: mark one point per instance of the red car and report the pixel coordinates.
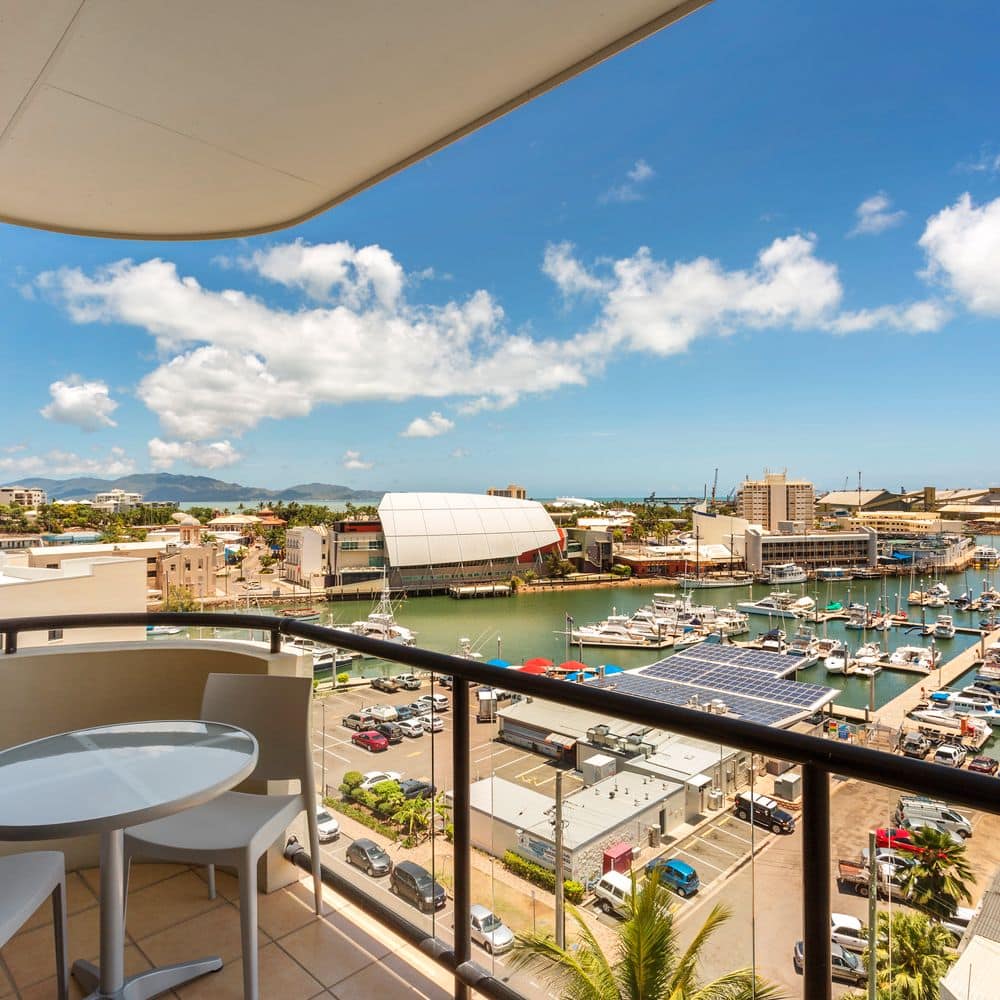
(984, 765)
(896, 837)
(370, 740)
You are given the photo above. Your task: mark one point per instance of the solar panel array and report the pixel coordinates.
(666, 693)
(749, 681)
(755, 659)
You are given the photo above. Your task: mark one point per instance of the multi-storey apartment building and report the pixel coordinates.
(22, 496)
(776, 498)
(307, 555)
(512, 492)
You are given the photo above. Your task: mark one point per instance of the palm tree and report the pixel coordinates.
(412, 814)
(939, 879)
(650, 964)
(913, 954)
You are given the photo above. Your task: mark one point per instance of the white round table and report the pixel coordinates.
(103, 780)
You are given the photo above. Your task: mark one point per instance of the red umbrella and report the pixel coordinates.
(538, 665)
(571, 665)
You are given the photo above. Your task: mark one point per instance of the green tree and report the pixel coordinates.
(412, 815)
(180, 599)
(939, 879)
(913, 954)
(649, 964)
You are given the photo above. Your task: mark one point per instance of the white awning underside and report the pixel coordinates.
(432, 529)
(209, 118)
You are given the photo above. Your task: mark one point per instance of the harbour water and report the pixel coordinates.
(528, 625)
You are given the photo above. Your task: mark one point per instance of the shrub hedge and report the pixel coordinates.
(538, 875)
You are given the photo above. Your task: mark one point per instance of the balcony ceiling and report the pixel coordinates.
(187, 119)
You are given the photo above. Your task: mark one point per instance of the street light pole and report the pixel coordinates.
(560, 901)
(323, 710)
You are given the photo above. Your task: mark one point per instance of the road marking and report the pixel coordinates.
(691, 857)
(717, 847)
(416, 753)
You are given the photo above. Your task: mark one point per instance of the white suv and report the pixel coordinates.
(614, 893)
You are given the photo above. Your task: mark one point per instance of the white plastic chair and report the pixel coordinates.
(236, 828)
(25, 881)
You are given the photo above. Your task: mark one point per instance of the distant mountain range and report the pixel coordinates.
(193, 489)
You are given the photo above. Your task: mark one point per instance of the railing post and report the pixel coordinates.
(10, 641)
(276, 645)
(462, 828)
(816, 881)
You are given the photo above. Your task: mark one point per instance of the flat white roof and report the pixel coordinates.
(102, 548)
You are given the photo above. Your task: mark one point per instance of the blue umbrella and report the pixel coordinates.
(610, 668)
(497, 663)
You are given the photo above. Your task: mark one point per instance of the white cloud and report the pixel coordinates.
(230, 359)
(67, 463)
(428, 427)
(962, 244)
(660, 308)
(233, 360)
(87, 405)
(202, 455)
(570, 276)
(988, 162)
(874, 216)
(353, 460)
(629, 189)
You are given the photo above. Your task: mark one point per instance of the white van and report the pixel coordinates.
(915, 807)
(614, 893)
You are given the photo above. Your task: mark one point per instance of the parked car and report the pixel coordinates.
(416, 885)
(420, 708)
(489, 931)
(437, 702)
(372, 778)
(433, 723)
(414, 788)
(676, 874)
(914, 808)
(391, 731)
(411, 727)
(915, 745)
(765, 812)
(949, 755)
(358, 721)
(371, 740)
(369, 857)
(404, 712)
(847, 966)
(383, 713)
(386, 684)
(848, 932)
(895, 837)
(446, 680)
(916, 824)
(408, 682)
(614, 893)
(328, 827)
(984, 765)
(900, 863)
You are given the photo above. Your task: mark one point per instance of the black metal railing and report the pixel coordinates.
(818, 758)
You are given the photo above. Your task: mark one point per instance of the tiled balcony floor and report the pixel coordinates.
(345, 953)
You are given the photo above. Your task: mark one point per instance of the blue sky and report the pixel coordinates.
(817, 189)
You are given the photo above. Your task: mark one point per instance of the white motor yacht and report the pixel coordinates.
(779, 604)
(915, 658)
(783, 574)
(838, 660)
(381, 622)
(944, 627)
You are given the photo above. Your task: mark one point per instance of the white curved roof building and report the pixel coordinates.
(433, 529)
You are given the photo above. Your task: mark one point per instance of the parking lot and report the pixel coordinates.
(427, 757)
(720, 846)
